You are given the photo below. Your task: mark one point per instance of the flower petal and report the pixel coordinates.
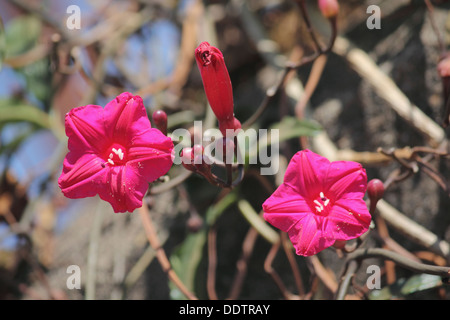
(149, 157)
(83, 178)
(124, 189)
(151, 154)
(124, 117)
(306, 173)
(285, 207)
(348, 219)
(307, 236)
(346, 179)
(85, 130)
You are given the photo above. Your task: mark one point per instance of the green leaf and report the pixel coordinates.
(2, 43)
(292, 127)
(38, 78)
(188, 255)
(21, 34)
(404, 287)
(185, 260)
(257, 222)
(16, 111)
(288, 128)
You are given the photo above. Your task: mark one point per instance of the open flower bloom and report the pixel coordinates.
(319, 202)
(113, 152)
(217, 84)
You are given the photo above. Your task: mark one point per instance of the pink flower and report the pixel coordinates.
(113, 152)
(319, 202)
(217, 84)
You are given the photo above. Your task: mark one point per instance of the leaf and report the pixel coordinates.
(292, 127)
(288, 128)
(185, 260)
(187, 257)
(257, 222)
(21, 34)
(38, 78)
(2, 43)
(404, 287)
(15, 111)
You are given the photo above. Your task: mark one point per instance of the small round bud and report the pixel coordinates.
(329, 8)
(160, 120)
(194, 223)
(187, 155)
(443, 67)
(375, 190)
(198, 149)
(237, 124)
(340, 244)
(187, 158)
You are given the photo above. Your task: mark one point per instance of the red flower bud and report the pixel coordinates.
(217, 84)
(160, 120)
(187, 158)
(375, 190)
(340, 244)
(329, 8)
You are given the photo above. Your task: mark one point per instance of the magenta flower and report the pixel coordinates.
(113, 152)
(319, 202)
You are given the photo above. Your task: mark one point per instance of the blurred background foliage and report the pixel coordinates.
(146, 47)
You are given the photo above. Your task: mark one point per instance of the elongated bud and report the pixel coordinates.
(160, 120)
(217, 83)
(329, 8)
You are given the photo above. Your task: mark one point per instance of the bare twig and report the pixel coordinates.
(296, 272)
(160, 253)
(241, 265)
(413, 230)
(399, 260)
(275, 276)
(388, 90)
(212, 264)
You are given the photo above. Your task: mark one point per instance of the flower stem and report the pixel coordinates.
(160, 253)
(400, 260)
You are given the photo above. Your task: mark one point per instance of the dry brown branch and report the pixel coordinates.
(389, 91)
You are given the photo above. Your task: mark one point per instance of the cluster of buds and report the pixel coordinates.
(196, 160)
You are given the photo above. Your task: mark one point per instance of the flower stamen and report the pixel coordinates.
(118, 152)
(319, 206)
(115, 155)
(321, 203)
